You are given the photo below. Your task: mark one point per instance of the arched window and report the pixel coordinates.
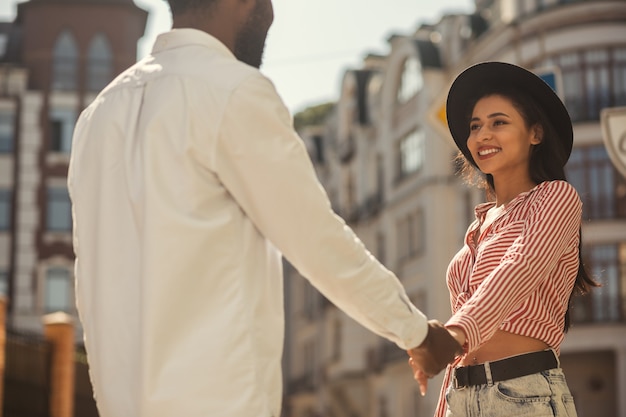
(99, 63)
(65, 63)
(411, 80)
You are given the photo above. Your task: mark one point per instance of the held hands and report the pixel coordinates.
(436, 351)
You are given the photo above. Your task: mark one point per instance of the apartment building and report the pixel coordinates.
(54, 58)
(387, 160)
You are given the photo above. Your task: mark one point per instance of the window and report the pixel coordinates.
(607, 264)
(59, 213)
(4, 41)
(4, 282)
(5, 209)
(62, 123)
(308, 351)
(58, 290)
(411, 153)
(618, 77)
(411, 235)
(99, 66)
(318, 146)
(411, 80)
(597, 81)
(311, 301)
(601, 188)
(65, 63)
(381, 252)
(382, 406)
(351, 210)
(592, 80)
(337, 332)
(6, 132)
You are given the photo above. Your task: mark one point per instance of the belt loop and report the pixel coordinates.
(558, 360)
(488, 373)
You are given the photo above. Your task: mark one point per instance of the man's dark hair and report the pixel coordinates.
(182, 6)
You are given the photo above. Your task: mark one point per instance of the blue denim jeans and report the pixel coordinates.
(544, 394)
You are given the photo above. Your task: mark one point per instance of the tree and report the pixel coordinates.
(314, 115)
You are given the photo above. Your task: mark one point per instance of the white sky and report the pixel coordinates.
(312, 42)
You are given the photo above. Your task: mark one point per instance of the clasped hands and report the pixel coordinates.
(436, 351)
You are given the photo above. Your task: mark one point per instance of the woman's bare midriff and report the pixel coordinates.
(502, 345)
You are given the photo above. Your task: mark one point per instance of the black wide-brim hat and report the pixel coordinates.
(489, 76)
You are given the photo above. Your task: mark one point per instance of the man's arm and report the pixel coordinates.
(265, 166)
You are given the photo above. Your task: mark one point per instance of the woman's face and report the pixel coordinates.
(499, 140)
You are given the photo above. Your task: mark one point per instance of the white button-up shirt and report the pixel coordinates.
(188, 183)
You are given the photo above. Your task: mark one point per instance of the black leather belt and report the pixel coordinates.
(509, 368)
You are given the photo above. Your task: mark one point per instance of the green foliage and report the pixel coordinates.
(312, 116)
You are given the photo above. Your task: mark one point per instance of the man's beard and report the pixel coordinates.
(250, 41)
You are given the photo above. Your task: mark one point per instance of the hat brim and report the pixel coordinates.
(489, 75)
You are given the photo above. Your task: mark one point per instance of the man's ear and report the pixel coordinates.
(537, 134)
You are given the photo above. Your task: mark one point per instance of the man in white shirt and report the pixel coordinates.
(188, 184)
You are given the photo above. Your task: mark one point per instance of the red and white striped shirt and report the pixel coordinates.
(519, 275)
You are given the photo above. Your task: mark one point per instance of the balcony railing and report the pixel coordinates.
(598, 309)
(389, 353)
(384, 354)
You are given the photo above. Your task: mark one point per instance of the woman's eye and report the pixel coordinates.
(499, 122)
(474, 127)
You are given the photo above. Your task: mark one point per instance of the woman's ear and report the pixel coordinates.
(537, 134)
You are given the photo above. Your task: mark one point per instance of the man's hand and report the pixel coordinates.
(434, 354)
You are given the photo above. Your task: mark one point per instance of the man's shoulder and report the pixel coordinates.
(207, 66)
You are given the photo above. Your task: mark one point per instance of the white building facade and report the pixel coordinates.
(387, 160)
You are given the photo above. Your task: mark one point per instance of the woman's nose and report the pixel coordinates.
(484, 133)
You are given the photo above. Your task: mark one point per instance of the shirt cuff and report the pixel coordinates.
(469, 327)
(416, 334)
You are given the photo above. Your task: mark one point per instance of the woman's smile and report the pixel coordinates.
(487, 152)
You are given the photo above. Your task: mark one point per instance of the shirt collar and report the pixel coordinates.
(177, 38)
(482, 208)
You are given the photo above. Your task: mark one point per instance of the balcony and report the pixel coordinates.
(302, 384)
(383, 355)
(598, 309)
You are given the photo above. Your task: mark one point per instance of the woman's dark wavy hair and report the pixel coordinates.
(547, 162)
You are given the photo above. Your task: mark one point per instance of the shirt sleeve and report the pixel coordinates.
(265, 166)
(550, 229)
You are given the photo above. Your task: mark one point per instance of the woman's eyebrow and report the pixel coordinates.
(491, 116)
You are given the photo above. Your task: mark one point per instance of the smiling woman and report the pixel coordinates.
(512, 282)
